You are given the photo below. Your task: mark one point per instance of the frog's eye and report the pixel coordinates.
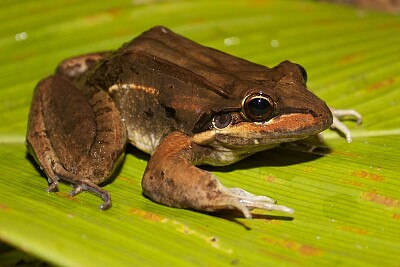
(258, 107)
(221, 121)
(303, 72)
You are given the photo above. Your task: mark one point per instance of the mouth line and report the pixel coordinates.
(281, 129)
(284, 128)
(291, 110)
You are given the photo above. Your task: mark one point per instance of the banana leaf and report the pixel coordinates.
(346, 196)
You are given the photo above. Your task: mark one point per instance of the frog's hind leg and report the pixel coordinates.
(77, 138)
(80, 185)
(171, 179)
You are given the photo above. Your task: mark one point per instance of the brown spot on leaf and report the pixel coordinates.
(308, 169)
(352, 58)
(396, 216)
(352, 155)
(147, 215)
(309, 250)
(381, 199)
(355, 230)
(22, 56)
(270, 178)
(351, 182)
(381, 84)
(303, 249)
(128, 180)
(367, 175)
(4, 207)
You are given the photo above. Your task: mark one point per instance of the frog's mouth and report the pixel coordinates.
(280, 129)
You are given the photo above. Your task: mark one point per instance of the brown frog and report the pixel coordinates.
(184, 104)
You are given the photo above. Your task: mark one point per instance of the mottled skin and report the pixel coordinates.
(183, 103)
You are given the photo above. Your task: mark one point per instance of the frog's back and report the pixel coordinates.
(189, 81)
(164, 50)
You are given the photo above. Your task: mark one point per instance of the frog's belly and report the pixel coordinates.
(145, 141)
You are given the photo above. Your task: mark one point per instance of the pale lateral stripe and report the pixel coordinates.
(132, 86)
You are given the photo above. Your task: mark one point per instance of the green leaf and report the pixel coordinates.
(347, 202)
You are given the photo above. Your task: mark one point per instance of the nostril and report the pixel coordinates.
(313, 113)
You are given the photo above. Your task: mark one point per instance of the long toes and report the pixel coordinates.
(53, 187)
(77, 189)
(245, 202)
(339, 115)
(102, 193)
(106, 204)
(91, 187)
(243, 194)
(260, 199)
(265, 206)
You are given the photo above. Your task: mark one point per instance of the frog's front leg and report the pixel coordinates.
(74, 136)
(172, 179)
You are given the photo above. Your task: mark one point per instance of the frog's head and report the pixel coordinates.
(277, 109)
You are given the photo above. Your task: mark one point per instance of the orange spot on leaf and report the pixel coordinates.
(270, 178)
(355, 230)
(98, 17)
(351, 155)
(309, 250)
(350, 182)
(4, 207)
(67, 196)
(381, 84)
(308, 169)
(282, 258)
(396, 216)
(147, 215)
(272, 221)
(348, 59)
(114, 11)
(381, 199)
(368, 175)
(128, 180)
(22, 56)
(303, 249)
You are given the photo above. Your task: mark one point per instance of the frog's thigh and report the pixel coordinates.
(37, 139)
(69, 138)
(171, 179)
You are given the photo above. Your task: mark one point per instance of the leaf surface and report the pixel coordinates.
(347, 202)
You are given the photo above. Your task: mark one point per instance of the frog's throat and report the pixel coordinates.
(281, 129)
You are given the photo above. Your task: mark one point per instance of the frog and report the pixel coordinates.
(185, 105)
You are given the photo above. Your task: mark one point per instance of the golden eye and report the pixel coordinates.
(258, 107)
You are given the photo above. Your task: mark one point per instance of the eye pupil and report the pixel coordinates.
(258, 107)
